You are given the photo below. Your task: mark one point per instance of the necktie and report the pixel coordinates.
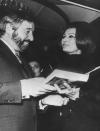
(18, 56)
(25, 66)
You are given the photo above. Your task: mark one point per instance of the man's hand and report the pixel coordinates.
(35, 87)
(55, 100)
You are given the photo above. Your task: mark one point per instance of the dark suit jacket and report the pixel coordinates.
(15, 114)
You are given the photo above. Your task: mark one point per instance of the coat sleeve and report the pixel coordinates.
(10, 92)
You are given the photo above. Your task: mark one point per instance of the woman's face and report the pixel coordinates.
(68, 42)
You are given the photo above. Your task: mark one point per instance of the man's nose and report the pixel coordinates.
(31, 37)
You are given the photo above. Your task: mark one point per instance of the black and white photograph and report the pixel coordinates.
(49, 65)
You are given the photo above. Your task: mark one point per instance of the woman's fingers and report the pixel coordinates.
(62, 91)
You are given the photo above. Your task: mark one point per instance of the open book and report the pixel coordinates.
(58, 75)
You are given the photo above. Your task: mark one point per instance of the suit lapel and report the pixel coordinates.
(7, 53)
(11, 58)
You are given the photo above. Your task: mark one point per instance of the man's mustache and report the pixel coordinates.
(24, 43)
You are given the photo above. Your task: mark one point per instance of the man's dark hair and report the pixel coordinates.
(13, 19)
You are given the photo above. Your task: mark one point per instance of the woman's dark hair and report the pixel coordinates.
(85, 37)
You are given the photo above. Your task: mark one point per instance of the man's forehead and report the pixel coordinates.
(28, 25)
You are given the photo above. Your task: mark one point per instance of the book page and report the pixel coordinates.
(95, 69)
(71, 76)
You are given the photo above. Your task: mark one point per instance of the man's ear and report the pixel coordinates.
(9, 28)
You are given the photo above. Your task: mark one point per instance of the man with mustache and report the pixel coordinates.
(17, 89)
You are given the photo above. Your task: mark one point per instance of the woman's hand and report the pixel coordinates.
(72, 93)
(55, 100)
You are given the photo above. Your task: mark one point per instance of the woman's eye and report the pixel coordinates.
(71, 36)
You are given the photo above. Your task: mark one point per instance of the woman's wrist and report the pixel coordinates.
(42, 104)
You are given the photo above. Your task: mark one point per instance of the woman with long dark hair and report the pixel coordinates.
(78, 53)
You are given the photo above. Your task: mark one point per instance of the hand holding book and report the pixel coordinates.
(68, 82)
(71, 92)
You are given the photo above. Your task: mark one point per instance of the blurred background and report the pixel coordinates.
(51, 18)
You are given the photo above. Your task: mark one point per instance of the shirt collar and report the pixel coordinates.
(12, 49)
